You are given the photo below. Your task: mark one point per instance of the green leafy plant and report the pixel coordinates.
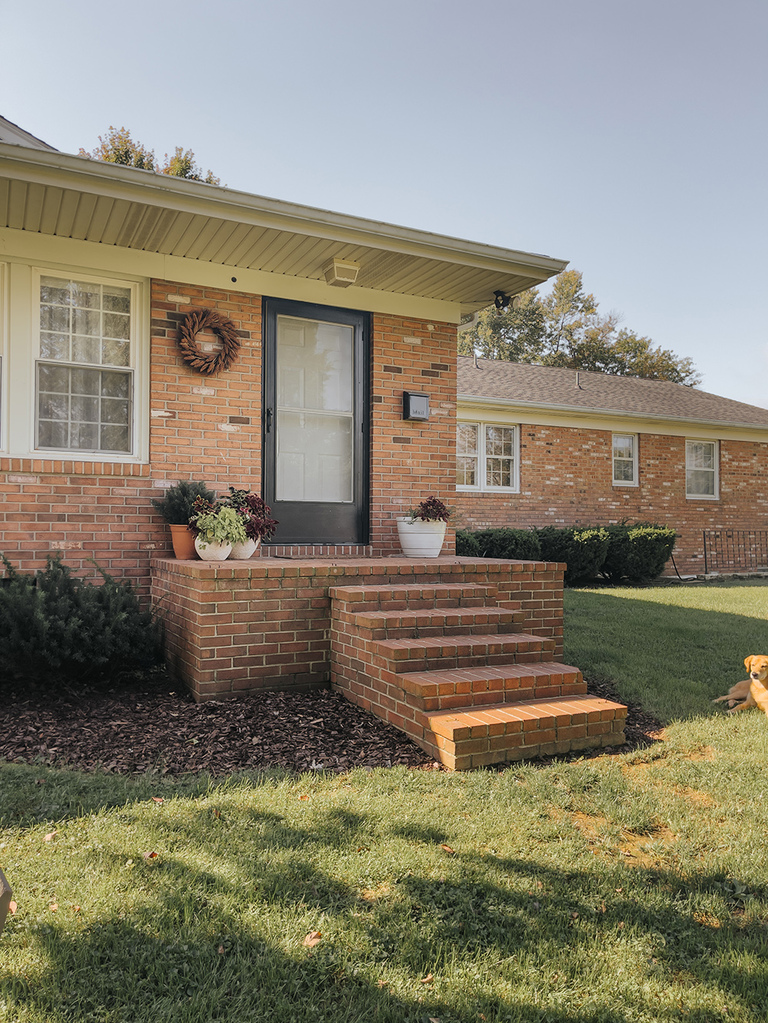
(217, 522)
(177, 504)
(54, 622)
(255, 513)
(431, 509)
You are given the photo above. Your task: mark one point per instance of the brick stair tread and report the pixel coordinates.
(486, 681)
(478, 722)
(447, 617)
(412, 592)
(402, 649)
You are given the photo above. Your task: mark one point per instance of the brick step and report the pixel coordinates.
(432, 621)
(411, 596)
(483, 686)
(433, 653)
(498, 734)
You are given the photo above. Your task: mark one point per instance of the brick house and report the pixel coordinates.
(544, 446)
(337, 319)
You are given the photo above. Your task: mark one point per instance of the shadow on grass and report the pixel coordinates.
(504, 939)
(671, 660)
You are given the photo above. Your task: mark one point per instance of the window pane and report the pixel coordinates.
(314, 457)
(466, 439)
(314, 365)
(466, 469)
(116, 300)
(700, 482)
(115, 353)
(85, 349)
(623, 447)
(118, 326)
(86, 321)
(74, 413)
(623, 471)
(54, 291)
(498, 472)
(701, 455)
(54, 346)
(498, 441)
(86, 296)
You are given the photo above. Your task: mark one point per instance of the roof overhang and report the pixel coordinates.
(74, 197)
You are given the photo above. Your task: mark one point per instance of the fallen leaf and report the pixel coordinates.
(50, 836)
(383, 983)
(150, 856)
(447, 848)
(53, 907)
(312, 939)
(427, 980)
(157, 799)
(76, 909)
(303, 797)
(12, 907)
(221, 950)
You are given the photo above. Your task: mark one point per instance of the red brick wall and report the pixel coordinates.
(209, 428)
(565, 480)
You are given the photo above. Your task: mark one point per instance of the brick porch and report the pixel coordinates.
(462, 654)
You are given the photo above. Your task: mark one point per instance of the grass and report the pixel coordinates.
(671, 649)
(629, 888)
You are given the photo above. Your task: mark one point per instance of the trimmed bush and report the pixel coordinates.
(53, 623)
(514, 544)
(466, 544)
(637, 553)
(583, 550)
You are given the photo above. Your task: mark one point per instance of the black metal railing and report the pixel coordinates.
(735, 550)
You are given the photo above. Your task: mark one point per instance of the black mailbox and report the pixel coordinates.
(415, 406)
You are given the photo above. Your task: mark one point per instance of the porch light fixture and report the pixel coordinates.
(501, 301)
(341, 272)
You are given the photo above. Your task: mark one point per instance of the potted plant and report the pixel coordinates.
(177, 508)
(216, 526)
(422, 530)
(255, 514)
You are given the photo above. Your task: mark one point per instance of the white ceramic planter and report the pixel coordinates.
(212, 551)
(243, 551)
(420, 539)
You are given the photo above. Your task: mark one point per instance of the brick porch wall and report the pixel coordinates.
(210, 428)
(265, 624)
(565, 480)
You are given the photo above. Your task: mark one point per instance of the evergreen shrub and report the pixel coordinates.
(637, 552)
(467, 545)
(55, 625)
(515, 544)
(583, 550)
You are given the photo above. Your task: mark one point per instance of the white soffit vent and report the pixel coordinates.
(341, 272)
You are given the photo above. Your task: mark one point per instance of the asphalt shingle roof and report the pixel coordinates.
(550, 387)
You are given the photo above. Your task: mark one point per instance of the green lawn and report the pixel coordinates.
(625, 888)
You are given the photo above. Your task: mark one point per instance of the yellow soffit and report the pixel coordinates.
(74, 197)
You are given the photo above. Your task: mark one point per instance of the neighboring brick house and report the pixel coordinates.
(337, 317)
(540, 446)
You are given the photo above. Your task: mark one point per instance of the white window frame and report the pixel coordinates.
(23, 355)
(481, 456)
(634, 459)
(4, 292)
(689, 468)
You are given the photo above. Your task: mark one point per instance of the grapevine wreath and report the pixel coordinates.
(225, 331)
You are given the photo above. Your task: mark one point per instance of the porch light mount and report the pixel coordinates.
(501, 301)
(340, 273)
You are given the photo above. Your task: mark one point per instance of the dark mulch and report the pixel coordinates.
(146, 723)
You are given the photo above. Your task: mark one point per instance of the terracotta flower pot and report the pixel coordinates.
(183, 543)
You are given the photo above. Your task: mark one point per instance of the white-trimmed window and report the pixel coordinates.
(702, 476)
(487, 457)
(85, 371)
(625, 460)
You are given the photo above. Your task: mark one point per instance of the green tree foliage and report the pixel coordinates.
(117, 146)
(564, 328)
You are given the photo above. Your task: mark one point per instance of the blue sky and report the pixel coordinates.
(626, 137)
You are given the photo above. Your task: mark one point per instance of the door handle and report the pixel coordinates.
(268, 420)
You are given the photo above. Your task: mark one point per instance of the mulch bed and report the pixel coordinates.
(146, 723)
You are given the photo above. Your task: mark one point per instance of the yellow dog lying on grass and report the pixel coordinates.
(753, 691)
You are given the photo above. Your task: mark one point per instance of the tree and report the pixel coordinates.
(119, 147)
(565, 329)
